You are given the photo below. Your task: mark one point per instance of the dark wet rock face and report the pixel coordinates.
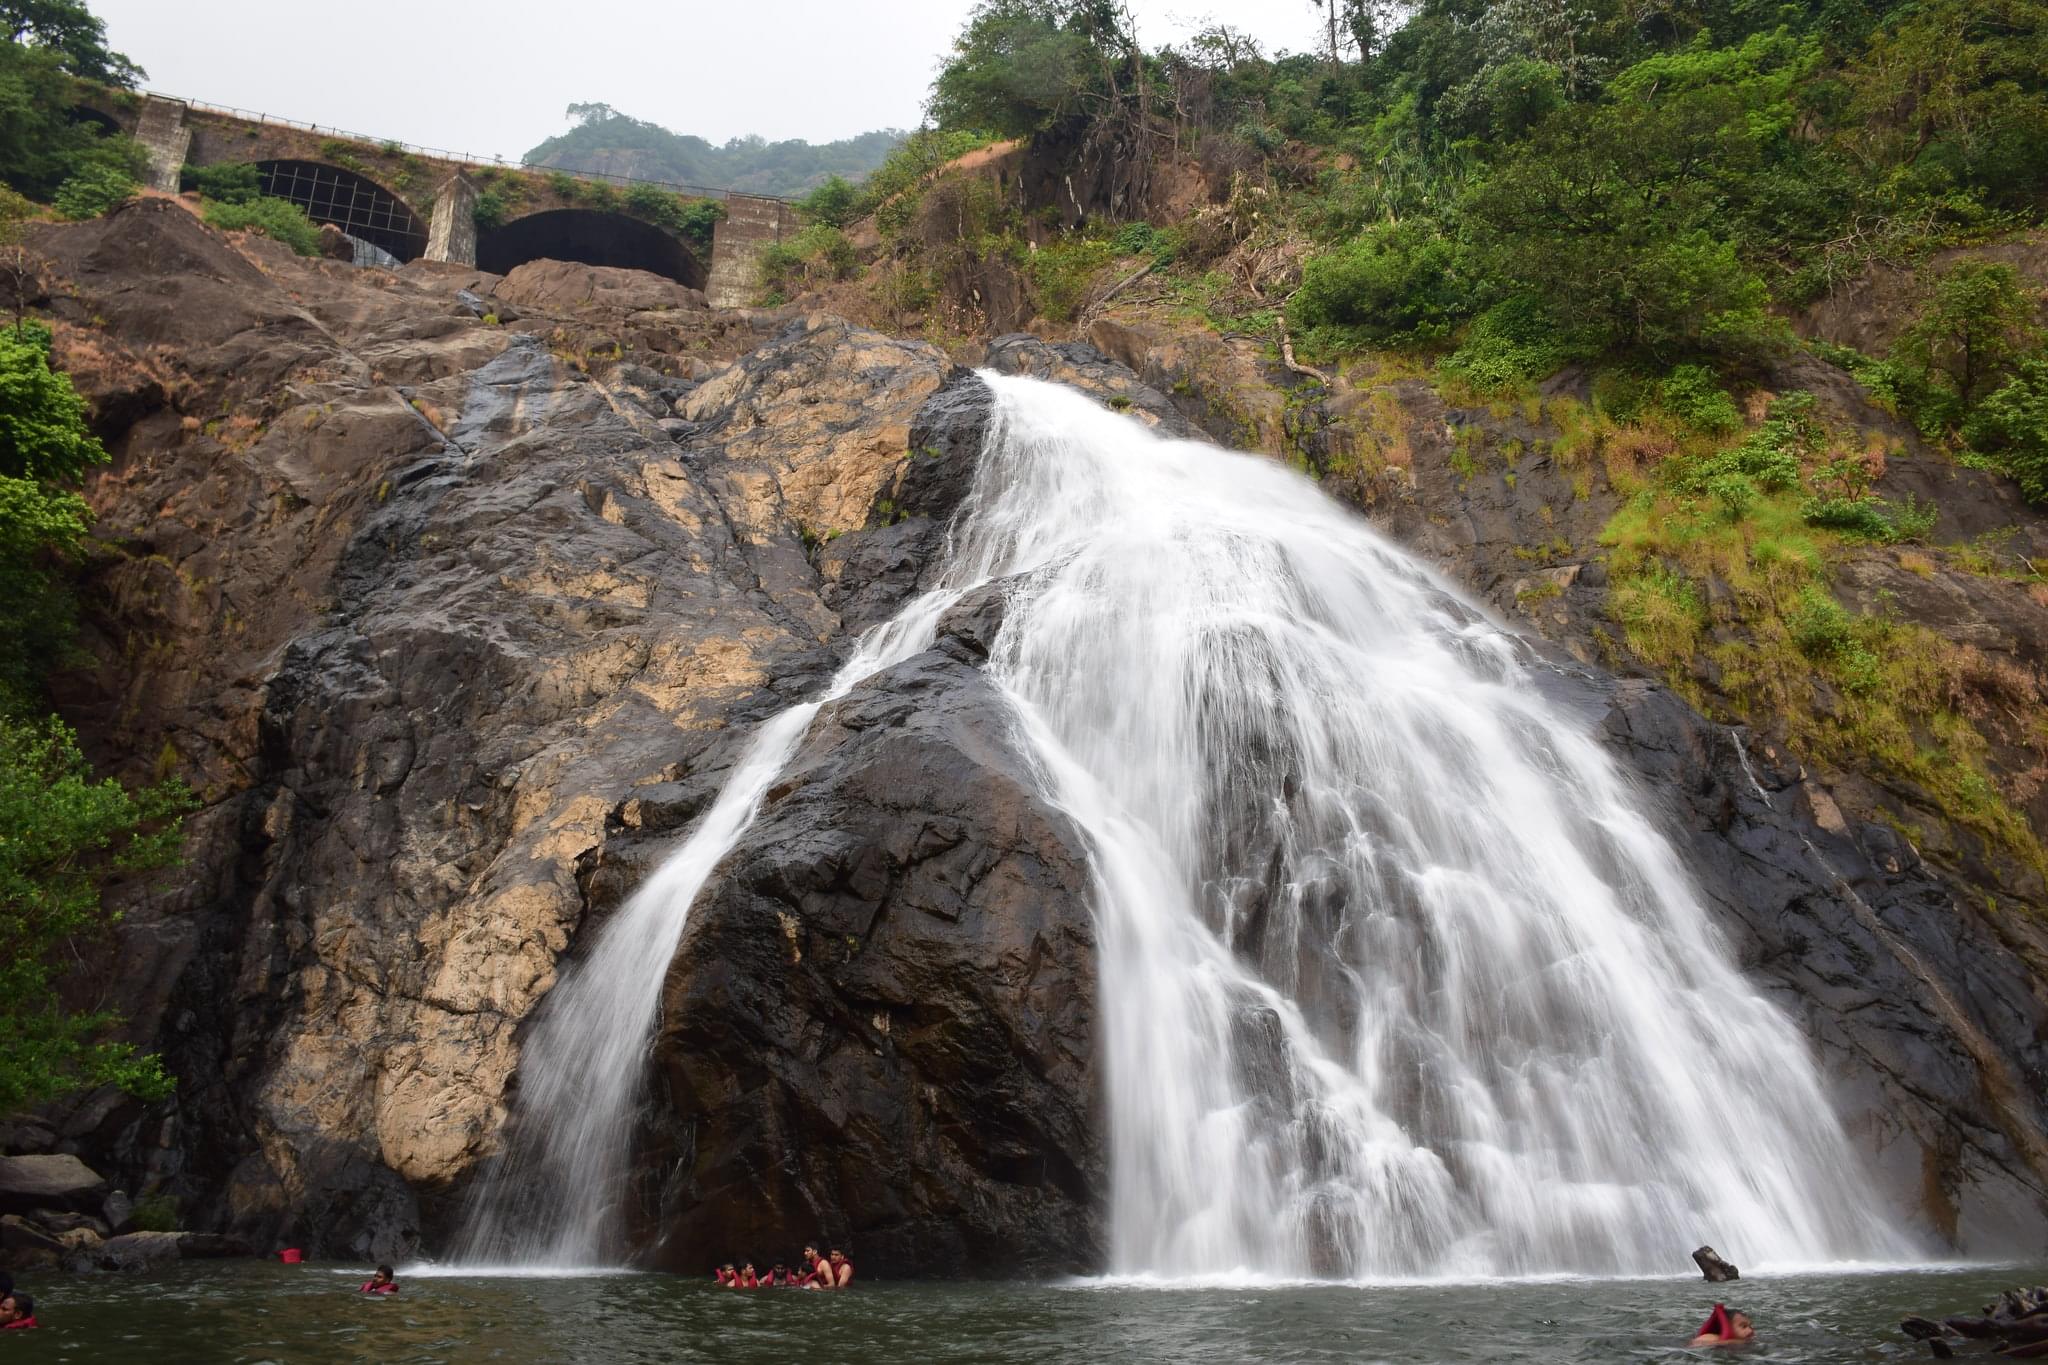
(879, 1029)
(1927, 1021)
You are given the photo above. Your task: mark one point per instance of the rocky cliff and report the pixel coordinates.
(454, 596)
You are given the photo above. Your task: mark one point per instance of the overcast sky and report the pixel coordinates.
(493, 79)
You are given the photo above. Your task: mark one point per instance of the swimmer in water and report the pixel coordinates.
(380, 1283)
(1725, 1327)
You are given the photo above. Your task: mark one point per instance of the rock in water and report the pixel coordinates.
(28, 1183)
(1713, 1267)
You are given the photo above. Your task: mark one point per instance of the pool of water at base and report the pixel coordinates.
(256, 1312)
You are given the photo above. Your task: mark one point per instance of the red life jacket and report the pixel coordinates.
(1717, 1323)
(372, 1287)
(18, 1323)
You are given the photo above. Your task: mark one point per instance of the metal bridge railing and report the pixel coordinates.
(463, 158)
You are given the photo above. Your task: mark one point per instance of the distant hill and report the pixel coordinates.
(608, 142)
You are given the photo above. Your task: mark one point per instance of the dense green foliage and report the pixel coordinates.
(62, 835)
(235, 183)
(93, 189)
(278, 219)
(832, 203)
(72, 35)
(690, 219)
(605, 140)
(1512, 185)
(41, 145)
(44, 450)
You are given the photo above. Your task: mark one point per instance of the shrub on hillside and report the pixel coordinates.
(1392, 285)
(833, 203)
(2012, 426)
(279, 219)
(814, 257)
(232, 184)
(92, 190)
(1695, 397)
(1511, 343)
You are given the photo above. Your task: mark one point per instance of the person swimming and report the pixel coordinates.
(17, 1311)
(380, 1283)
(1725, 1327)
(838, 1270)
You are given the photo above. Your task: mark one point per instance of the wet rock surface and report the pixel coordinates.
(456, 626)
(424, 600)
(879, 1028)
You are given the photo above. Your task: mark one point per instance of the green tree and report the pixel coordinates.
(62, 835)
(1628, 216)
(832, 203)
(45, 448)
(1394, 284)
(71, 33)
(2012, 424)
(92, 190)
(1978, 323)
(1022, 67)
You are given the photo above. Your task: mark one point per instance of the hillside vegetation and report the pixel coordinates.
(1588, 239)
(607, 141)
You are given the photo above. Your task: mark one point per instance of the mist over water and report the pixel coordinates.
(1398, 977)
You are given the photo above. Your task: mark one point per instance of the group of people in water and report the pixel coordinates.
(831, 1271)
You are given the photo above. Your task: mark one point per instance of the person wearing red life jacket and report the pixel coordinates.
(17, 1312)
(724, 1276)
(380, 1283)
(1725, 1327)
(838, 1270)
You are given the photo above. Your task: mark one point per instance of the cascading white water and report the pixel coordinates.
(1397, 977)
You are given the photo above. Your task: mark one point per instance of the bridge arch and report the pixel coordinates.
(356, 204)
(108, 125)
(592, 237)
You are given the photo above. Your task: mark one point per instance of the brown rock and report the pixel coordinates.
(562, 287)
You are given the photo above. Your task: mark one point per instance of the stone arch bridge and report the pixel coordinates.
(413, 204)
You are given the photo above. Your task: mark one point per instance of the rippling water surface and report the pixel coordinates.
(255, 1312)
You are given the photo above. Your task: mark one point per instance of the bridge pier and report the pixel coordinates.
(452, 235)
(751, 225)
(164, 135)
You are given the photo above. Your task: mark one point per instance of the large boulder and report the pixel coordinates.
(29, 1183)
(555, 287)
(879, 1029)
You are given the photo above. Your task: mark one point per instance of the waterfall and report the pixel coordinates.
(1398, 977)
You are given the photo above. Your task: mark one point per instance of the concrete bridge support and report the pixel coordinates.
(751, 225)
(452, 235)
(163, 134)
